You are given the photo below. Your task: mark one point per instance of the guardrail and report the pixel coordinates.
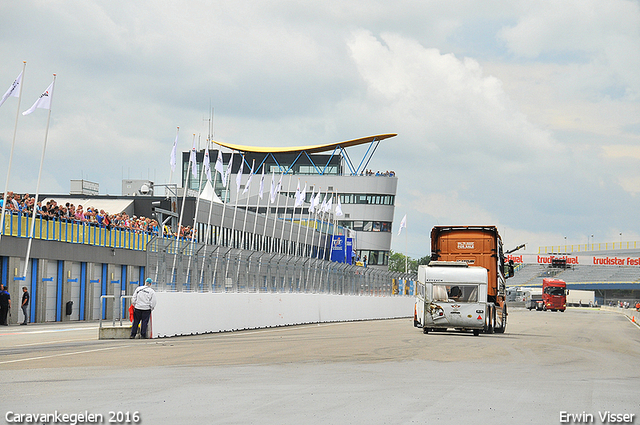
(195, 267)
(117, 308)
(72, 231)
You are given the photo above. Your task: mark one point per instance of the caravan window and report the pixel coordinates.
(463, 293)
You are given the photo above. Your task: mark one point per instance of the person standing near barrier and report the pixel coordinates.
(5, 305)
(143, 301)
(25, 305)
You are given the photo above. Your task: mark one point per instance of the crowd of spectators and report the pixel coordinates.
(378, 173)
(24, 205)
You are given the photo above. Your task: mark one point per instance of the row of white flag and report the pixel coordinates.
(43, 102)
(300, 196)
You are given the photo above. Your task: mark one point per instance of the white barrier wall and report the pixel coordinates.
(185, 313)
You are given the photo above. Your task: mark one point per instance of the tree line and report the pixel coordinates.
(398, 260)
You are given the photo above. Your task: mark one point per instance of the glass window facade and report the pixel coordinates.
(363, 198)
(366, 226)
(374, 258)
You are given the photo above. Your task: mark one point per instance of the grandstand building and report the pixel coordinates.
(367, 199)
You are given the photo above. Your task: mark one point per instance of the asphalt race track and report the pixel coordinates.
(582, 362)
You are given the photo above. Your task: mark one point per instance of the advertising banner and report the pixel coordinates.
(338, 248)
(574, 260)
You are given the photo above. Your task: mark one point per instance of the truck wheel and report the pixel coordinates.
(503, 322)
(476, 332)
(489, 320)
(425, 330)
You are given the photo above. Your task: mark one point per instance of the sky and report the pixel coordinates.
(519, 114)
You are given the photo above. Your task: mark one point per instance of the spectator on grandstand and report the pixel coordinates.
(79, 215)
(17, 204)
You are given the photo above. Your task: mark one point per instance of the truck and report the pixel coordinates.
(459, 255)
(554, 294)
(533, 299)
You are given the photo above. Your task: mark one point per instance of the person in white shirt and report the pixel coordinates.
(143, 301)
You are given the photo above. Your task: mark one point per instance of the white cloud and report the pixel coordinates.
(603, 36)
(524, 114)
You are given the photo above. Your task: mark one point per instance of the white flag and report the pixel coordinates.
(219, 166)
(312, 202)
(297, 196)
(246, 186)
(303, 194)
(329, 204)
(323, 206)
(339, 208)
(192, 160)
(14, 90)
(239, 176)
(207, 164)
(228, 172)
(403, 224)
(43, 102)
(272, 191)
(279, 185)
(172, 162)
(316, 203)
(262, 183)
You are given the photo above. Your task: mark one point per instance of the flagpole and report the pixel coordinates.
(322, 208)
(35, 202)
(266, 218)
(184, 196)
(311, 211)
(322, 222)
(317, 212)
(235, 209)
(255, 220)
(295, 203)
(284, 218)
(300, 222)
(406, 250)
(206, 239)
(224, 207)
(246, 208)
(195, 222)
(13, 143)
(173, 153)
(275, 219)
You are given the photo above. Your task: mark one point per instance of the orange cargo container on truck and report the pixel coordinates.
(477, 246)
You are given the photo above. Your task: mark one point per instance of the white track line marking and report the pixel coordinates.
(60, 355)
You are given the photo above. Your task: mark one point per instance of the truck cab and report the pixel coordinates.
(453, 295)
(554, 294)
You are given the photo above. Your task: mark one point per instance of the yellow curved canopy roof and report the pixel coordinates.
(309, 149)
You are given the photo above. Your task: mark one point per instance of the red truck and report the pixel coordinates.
(478, 246)
(554, 294)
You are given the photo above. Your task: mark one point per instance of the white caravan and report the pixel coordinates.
(453, 295)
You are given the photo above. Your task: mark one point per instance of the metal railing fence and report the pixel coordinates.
(195, 267)
(72, 231)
